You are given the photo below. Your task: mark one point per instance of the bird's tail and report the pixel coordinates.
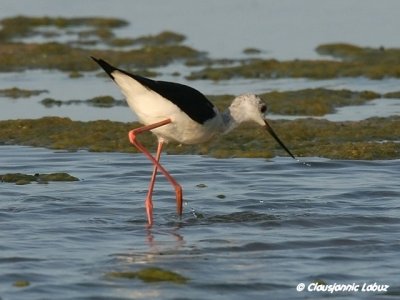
(106, 66)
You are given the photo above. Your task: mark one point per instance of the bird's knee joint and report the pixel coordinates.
(132, 136)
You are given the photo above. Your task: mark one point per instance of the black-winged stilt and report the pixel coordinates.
(177, 112)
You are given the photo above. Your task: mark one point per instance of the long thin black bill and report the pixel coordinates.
(272, 132)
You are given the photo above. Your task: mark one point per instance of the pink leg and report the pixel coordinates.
(149, 202)
(157, 166)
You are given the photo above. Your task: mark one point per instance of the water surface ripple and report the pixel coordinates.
(251, 227)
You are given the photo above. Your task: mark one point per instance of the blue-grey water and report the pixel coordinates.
(251, 227)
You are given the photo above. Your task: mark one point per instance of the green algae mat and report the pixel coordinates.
(150, 274)
(21, 179)
(17, 53)
(374, 138)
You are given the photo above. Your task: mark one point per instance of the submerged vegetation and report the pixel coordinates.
(352, 61)
(150, 274)
(22, 283)
(19, 56)
(306, 102)
(20, 179)
(315, 102)
(375, 138)
(15, 93)
(99, 101)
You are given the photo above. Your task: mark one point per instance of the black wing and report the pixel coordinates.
(188, 99)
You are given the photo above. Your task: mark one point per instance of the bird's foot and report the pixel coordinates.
(149, 211)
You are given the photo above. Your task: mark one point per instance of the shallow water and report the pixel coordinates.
(251, 227)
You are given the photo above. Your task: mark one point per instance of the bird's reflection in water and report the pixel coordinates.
(158, 244)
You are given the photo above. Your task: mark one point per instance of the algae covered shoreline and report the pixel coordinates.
(44, 43)
(371, 139)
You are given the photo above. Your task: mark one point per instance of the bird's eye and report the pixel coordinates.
(263, 108)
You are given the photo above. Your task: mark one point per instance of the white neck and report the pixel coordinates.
(230, 121)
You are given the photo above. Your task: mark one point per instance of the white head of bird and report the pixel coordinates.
(245, 108)
(249, 108)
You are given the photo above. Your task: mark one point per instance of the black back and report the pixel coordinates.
(188, 99)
